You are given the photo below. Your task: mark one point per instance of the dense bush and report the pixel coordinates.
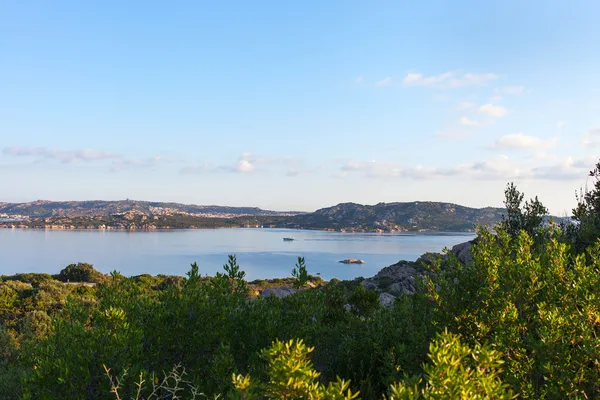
(80, 272)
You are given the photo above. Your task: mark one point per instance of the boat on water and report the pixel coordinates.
(288, 239)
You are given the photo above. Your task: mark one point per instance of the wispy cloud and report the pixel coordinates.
(567, 169)
(196, 168)
(249, 163)
(64, 156)
(493, 111)
(591, 138)
(359, 79)
(384, 82)
(519, 141)
(468, 122)
(500, 167)
(465, 105)
(119, 161)
(513, 90)
(148, 162)
(448, 80)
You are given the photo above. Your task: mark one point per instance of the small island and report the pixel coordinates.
(352, 261)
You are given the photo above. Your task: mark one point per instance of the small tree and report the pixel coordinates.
(519, 217)
(300, 274)
(586, 230)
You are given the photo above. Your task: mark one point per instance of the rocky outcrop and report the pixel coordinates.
(279, 292)
(397, 279)
(462, 251)
(400, 279)
(352, 261)
(386, 300)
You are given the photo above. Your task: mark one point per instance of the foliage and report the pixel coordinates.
(291, 376)
(150, 387)
(80, 272)
(300, 274)
(520, 216)
(456, 371)
(538, 306)
(586, 215)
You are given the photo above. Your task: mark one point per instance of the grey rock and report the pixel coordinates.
(280, 292)
(399, 271)
(400, 279)
(462, 251)
(405, 287)
(369, 284)
(386, 300)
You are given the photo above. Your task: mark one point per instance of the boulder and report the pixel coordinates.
(386, 300)
(406, 286)
(369, 284)
(397, 279)
(399, 271)
(279, 292)
(462, 251)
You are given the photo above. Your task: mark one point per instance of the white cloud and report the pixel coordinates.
(119, 161)
(244, 166)
(492, 110)
(500, 167)
(513, 90)
(544, 156)
(465, 105)
(495, 99)
(359, 79)
(567, 169)
(384, 82)
(373, 169)
(519, 141)
(468, 122)
(592, 138)
(64, 156)
(447, 80)
(250, 162)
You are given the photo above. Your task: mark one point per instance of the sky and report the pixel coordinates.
(299, 105)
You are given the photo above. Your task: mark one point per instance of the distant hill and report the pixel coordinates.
(350, 217)
(71, 209)
(393, 217)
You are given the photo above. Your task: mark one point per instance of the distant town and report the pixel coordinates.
(345, 217)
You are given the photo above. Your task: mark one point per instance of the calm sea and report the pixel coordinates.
(262, 253)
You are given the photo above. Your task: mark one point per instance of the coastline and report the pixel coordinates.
(169, 228)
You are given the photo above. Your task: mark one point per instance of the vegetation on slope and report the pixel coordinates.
(412, 216)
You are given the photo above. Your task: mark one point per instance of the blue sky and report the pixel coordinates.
(298, 105)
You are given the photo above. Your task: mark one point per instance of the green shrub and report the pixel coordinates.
(456, 371)
(80, 272)
(536, 304)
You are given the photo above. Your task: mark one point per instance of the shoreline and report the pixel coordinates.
(167, 228)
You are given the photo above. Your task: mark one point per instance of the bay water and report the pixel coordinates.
(262, 253)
